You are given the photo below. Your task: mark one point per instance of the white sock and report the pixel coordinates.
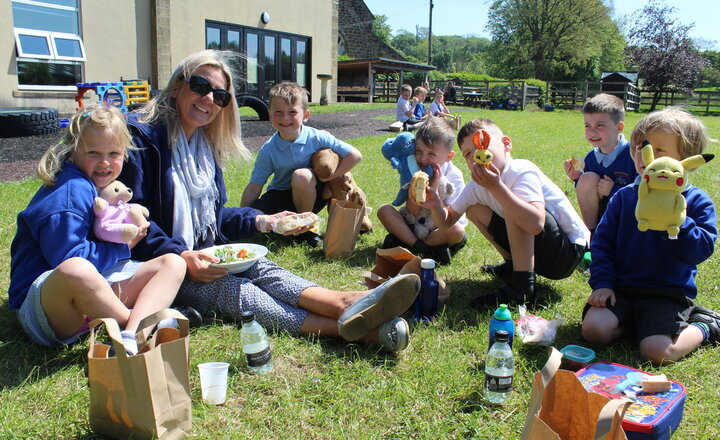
(128, 341)
(168, 323)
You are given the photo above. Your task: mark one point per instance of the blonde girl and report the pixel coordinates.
(58, 269)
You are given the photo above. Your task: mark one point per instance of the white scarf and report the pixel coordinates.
(193, 171)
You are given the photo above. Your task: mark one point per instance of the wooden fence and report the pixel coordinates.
(561, 94)
(573, 94)
(492, 94)
(700, 102)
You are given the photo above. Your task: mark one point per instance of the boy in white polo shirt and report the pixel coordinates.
(520, 211)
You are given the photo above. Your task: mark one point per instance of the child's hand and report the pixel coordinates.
(599, 297)
(570, 171)
(412, 205)
(604, 187)
(486, 176)
(142, 233)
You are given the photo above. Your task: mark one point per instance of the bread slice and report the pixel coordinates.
(656, 384)
(418, 183)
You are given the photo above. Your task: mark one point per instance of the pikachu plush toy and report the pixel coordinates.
(661, 205)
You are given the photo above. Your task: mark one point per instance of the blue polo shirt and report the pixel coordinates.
(280, 158)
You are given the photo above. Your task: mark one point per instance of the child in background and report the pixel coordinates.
(608, 166)
(287, 155)
(643, 283)
(411, 112)
(438, 107)
(520, 211)
(433, 147)
(57, 275)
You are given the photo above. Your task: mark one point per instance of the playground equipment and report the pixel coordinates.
(125, 95)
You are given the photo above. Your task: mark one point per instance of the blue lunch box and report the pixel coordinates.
(652, 416)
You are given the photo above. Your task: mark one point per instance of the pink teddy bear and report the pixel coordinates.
(116, 220)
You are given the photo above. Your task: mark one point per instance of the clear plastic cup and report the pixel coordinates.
(213, 381)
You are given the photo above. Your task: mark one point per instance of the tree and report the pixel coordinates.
(666, 58)
(710, 75)
(382, 29)
(547, 39)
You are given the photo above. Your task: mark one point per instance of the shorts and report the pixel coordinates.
(278, 200)
(648, 312)
(34, 322)
(556, 257)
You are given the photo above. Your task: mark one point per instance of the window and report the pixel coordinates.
(50, 51)
(48, 45)
(267, 57)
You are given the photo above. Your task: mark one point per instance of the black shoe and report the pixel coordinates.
(193, 316)
(455, 248)
(421, 249)
(502, 270)
(520, 290)
(312, 239)
(391, 241)
(710, 318)
(441, 254)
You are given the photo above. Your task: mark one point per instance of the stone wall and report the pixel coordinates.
(356, 29)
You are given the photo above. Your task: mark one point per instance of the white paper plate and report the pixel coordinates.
(243, 265)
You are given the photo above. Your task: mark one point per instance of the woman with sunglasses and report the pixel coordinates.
(184, 136)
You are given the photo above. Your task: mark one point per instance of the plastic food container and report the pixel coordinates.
(576, 357)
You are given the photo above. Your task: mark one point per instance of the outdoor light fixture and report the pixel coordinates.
(265, 17)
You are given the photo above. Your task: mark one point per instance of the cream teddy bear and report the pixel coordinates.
(324, 163)
(116, 220)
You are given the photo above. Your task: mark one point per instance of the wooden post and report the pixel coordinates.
(371, 83)
(524, 96)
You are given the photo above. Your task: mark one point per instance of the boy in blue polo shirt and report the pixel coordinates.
(608, 166)
(286, 156)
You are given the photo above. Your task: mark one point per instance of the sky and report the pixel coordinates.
(464, 17)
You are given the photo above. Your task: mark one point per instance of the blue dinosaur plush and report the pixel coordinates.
(400, 151)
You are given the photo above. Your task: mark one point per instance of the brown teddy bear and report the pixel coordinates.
(324, 163)
(116, 220)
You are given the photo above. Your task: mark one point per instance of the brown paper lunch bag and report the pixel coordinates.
(143, 396)
(399, 261)
(562, 409)
(343, 228)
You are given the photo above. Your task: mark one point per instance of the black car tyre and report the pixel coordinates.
(28, 121)
(254, 103)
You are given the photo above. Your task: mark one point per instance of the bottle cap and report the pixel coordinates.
(248, 316)
(427, 263)
(502, 313)
(502, 336)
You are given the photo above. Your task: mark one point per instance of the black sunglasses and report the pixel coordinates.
(202, 87)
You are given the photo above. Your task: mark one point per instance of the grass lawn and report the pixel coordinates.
(330, 389)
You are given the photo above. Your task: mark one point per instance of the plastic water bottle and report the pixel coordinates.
(255, 344)
(501, 320)
(426, 303)
(499, 369)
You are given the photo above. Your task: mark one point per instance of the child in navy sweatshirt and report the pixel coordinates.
(643, 283)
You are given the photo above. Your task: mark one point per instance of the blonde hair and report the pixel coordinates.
(291, 93)
(606, 103)
(436, 132)
(418, 90)
(223, 133)
(690, 131)
(96, 117)
(471, 127)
